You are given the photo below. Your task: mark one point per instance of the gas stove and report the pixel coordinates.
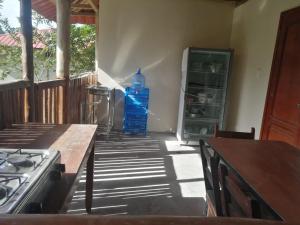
(26, 176)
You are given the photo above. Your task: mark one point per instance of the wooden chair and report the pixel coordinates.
(210, 163)
(234, 134)
(236, 200)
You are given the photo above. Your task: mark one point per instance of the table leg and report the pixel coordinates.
(89, 181)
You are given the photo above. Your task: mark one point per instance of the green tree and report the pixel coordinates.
(82, 48)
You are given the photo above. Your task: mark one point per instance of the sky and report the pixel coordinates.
(11, 10)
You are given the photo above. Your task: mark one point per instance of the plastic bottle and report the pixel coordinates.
(138, 81)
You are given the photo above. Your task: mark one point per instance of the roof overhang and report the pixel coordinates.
(82, 11)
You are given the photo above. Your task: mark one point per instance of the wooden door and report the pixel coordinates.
(282, 110)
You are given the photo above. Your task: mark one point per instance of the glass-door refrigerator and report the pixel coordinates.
(203, 91)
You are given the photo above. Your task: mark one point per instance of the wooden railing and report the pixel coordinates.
(13, 104)
(78, 95)
(50, 99)
(49, 96)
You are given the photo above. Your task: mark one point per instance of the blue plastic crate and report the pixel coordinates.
(136, 111)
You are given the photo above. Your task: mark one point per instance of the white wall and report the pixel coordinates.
(152, 34)
(254, 32)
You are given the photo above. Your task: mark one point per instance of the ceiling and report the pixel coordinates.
(82, 11)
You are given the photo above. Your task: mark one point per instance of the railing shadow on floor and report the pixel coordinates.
(134, 175)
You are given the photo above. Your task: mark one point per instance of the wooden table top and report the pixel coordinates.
(125, 220)
(270, 168)
(71, 140)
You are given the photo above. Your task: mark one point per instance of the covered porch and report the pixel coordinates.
(152, 174)
(135, 175)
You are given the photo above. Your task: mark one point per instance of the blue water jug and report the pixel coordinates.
(138, 80)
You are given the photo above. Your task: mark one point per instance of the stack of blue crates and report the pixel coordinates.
(136, 111)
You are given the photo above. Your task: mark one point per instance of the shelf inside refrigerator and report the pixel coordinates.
(201, 87)
(207, 80)
(200, 120)
(208, 72)
(206, 104)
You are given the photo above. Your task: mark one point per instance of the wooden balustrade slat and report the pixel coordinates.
(46, 105)
(49, 99)
(56, 105)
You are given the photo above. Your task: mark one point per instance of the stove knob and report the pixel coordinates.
(55, 175)
(34, 208)
(61, 167)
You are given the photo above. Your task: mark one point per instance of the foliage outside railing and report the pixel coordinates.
(50, 99)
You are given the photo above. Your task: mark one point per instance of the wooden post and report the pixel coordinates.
(97, 43)
(27, 54)
(63, 50)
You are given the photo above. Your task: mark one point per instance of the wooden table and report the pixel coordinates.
(76, 145)
(270, 168)
(125, 220)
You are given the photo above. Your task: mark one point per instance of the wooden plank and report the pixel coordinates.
(26, 106)
(1, 111)
(56, 100)
(51, 120)
(125, 220)
(60, 104)
(81, 6)
(51, 83)
(14, 85)
(94, 5)
(22, 106)
(46, 91)
(43, 106)
(85, 13)
(40, 104)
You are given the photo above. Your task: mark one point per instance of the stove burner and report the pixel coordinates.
(3, 192)
(20, 161)
(3, 157)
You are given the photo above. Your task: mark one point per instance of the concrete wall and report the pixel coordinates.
(152, 34)
(254, 32)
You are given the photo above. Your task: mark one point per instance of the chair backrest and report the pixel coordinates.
(234, 134)
(210, 171)
(236, 199)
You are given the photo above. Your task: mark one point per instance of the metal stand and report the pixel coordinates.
(94, 111)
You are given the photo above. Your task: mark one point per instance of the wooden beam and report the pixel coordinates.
(237, 2)
(240, 2)
(81, 6)
(83, 13)
(14, 85)
(94, 5)
(63, 10)
(27, 54)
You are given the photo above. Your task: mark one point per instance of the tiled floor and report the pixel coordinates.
(150, 175)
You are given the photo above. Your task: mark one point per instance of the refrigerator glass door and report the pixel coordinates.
(205, 92)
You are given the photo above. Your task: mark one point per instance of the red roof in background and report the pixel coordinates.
(47, 8)
(7, 40)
